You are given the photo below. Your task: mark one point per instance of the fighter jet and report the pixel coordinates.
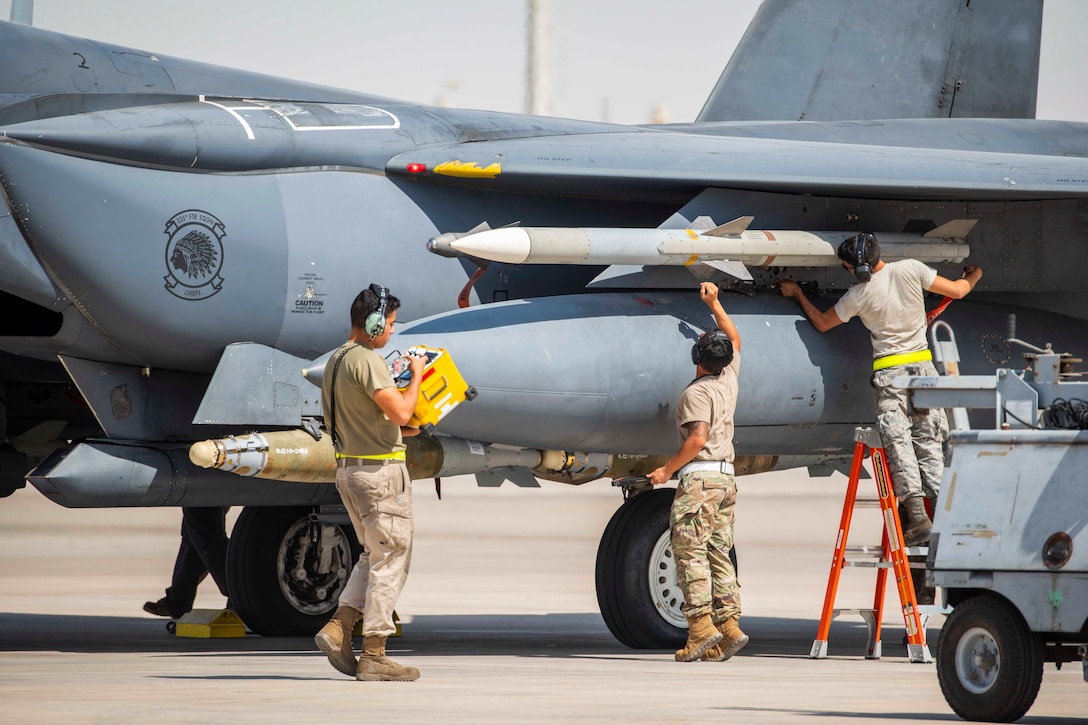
(180, 243)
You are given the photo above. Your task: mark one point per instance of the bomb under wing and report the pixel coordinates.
(673, 247)
(294, 455)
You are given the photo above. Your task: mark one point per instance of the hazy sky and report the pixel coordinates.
(610, 60)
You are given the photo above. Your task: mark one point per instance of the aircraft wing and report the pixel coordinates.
(653, 164)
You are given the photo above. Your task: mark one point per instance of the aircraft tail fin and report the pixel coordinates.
(837, 60)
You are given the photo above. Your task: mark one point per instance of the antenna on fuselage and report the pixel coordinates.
(22, 11)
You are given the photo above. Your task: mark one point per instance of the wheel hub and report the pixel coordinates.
(664, 590)
(312, 566)
(978, 660)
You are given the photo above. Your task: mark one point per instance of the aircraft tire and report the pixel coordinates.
(989, 664)
(624, 559)
(263, 547)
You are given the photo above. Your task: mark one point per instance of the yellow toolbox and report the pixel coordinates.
(442, 389)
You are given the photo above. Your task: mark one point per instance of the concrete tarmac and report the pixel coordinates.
(500, 616)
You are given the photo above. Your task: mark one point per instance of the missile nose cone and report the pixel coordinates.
(510, 245)
(205, 454)
(442, 245)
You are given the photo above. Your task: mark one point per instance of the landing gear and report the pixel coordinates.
(285, 569)
(989, 664)
(636, 575)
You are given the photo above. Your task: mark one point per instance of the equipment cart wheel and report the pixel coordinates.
(989, 664)
(285, 569)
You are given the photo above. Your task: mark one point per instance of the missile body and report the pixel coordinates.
(294, 455)
(604, 246)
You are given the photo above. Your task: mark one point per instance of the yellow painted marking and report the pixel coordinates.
(692, 260)
(469, 169)
(951, 492)
(692, 234)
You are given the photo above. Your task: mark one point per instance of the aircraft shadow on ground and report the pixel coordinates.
(547, 635)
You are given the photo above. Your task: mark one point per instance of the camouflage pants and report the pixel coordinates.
(378, 497)
(914, 442)
(701, 527)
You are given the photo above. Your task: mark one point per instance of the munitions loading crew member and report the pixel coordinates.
(701, 518)
(203, 551)
(890, 303)
(364, 412)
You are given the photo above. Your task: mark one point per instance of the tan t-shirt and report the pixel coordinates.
(362, 428)
(711, 399)
(892, 306)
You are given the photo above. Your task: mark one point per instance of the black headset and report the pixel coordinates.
(711, 339)
(862, 271)
(375, 321)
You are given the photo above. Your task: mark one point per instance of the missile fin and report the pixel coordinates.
(635, 276)
(731, 229)
(702, 223)
(489, 479)
(40, 440)
(733, 269)
(520, 477)
(955, 229)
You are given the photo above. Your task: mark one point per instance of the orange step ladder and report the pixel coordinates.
(893, 555)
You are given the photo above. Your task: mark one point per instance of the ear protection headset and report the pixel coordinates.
(375, 321)
(706, 342)
(862, 271)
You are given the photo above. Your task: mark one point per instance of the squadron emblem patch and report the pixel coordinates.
(194, 254)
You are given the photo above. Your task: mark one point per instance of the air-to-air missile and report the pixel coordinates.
(295, 455)
(729, 242)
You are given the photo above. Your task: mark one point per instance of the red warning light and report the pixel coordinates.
(417, 168)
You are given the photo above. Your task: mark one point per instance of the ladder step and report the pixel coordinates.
(862, 550)
(916, 554)
(868, 564)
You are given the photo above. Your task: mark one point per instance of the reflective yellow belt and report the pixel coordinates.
(901, 359)
(391, 456)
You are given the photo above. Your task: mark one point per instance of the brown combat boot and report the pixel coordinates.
(732, 641)
(921, 526)
(374, 665)
(334, 639)
(702, 635)
(732, 638)
(714, 654)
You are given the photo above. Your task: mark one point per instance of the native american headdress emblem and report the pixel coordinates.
(194, 255)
